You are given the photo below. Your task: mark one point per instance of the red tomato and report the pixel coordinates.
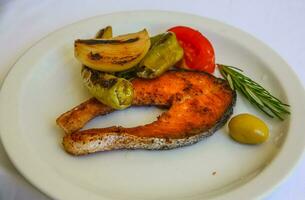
(198, 51)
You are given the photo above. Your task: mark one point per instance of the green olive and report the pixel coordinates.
(248, 129)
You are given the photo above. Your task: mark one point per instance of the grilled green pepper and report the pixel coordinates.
(108, 89)
(165, 53)
(155, 38)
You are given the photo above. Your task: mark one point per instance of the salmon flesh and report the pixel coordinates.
(198, 105)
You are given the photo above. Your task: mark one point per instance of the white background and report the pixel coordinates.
(280, 24)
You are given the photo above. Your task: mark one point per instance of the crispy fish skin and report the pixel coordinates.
(199, 104)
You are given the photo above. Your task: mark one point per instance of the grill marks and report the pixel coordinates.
(107, 41)
(94, 56)
(113, 60)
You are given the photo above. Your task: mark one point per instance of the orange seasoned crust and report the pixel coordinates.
(198, 103)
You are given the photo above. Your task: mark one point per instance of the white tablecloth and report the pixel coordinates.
(279, 23)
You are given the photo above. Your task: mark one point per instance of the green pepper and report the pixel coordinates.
(108, 89)
(155, 38)
(164, 53)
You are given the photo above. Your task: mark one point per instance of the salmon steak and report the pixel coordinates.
(198, 105)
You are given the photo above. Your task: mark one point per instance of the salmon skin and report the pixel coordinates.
(198, 105)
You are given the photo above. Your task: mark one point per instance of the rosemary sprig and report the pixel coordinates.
(256, 94)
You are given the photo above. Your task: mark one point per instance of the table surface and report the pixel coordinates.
(278, 23)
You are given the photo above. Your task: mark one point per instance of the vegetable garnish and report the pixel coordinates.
(248, 129)
(113, 54)
(163, 54)
(198, 51)
(256, 94)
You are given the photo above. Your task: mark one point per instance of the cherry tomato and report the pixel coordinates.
(198, 51)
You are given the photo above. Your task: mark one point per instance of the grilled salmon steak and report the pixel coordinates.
(198, 104)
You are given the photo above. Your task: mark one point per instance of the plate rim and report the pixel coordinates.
(286, 171)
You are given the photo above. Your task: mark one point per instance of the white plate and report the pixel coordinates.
(45, 82)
